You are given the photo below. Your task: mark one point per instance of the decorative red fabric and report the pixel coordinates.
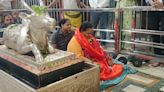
(93, 51)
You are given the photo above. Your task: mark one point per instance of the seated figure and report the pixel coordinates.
(61, 37)
(7, 19)
(84, 45)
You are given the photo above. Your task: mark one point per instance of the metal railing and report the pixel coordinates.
(56, 12)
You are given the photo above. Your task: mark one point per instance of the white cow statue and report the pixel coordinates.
(31, 35)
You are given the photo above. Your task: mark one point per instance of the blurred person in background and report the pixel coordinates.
(6, 5)
(102, 20)
(74, 16)
(7, 20)
(156, 22)
(127, 20)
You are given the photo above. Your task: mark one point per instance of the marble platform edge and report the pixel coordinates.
(40, 68)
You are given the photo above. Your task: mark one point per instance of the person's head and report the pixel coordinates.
(7, 19)
(65, 24)
(86, 28)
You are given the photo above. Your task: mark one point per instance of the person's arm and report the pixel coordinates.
(74, 47)
(53, 2)
(155, 3)
(158, 4)
(81, 4)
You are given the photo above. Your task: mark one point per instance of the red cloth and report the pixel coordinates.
(94, 52)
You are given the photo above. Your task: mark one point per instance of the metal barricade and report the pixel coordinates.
(138, 47)
(116, 44)
(57, 10)
(56, 15)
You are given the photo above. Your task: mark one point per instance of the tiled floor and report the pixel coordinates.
(162, 89)
(148, 79)
(155, 71)
(131, 88)
(140, 79)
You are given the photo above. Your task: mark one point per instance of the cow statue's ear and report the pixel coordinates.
(24, 15)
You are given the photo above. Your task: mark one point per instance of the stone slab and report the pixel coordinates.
(52, 62)
(80, 82)
(140, 79)
(133, 88)
(162, 89)
(154, 71)
(55, 67)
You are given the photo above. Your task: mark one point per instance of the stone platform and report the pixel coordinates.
(56, 67)
(84, 81)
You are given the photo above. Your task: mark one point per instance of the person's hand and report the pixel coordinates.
(110, 61)
(151, 2)
(87, 7)
(49, 6)
(158, 4)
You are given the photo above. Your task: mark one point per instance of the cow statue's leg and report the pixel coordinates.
(1, 41)
(51, 48)
(35, 50)
(37, 53)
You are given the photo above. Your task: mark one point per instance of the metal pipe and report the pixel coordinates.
(104, 30)
(85, 9)
(15, 10)
(142, 8)
(149, 30)
(153, 43)
(142, 44)
(140, 52)
(109, 41)
(152, 32)
(151, 54)
(133, 8)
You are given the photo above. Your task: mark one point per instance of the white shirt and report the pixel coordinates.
(5, 4)
(70, 4)
(99, 3)
(151, 0)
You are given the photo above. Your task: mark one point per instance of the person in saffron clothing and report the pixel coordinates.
(84, 45)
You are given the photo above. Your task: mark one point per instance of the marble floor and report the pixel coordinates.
(148, 79)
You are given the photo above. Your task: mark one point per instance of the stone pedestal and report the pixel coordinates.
(60, 72)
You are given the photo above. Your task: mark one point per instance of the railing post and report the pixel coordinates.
(116, 33)
(132, 28)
